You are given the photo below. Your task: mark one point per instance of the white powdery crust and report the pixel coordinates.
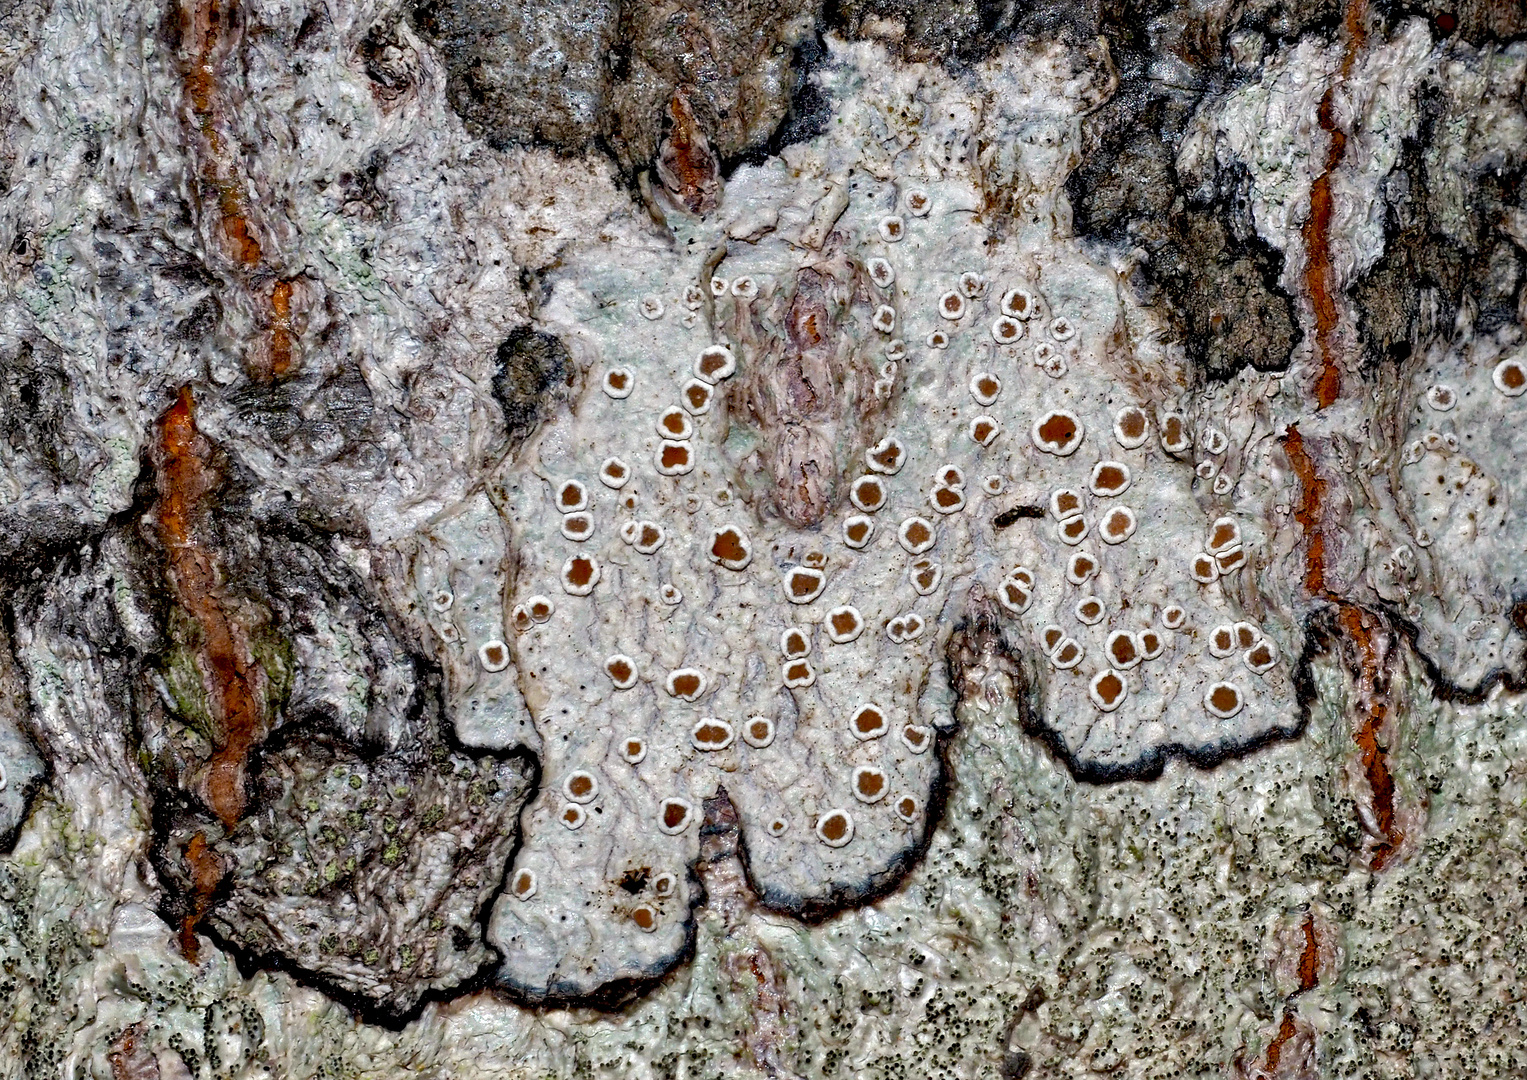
(577, 933)
(1453, 566)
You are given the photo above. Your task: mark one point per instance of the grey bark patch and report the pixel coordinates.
(390, 64)
(46, 452)
(1476, 21)
(519, 73)
(34, 397)
(1444, 248)
(735, 62)
(22, 769)
(374, 840)
(313, 418)
(961, 31)
(367, 875)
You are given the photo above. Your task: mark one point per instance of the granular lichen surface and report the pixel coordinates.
(813, 542)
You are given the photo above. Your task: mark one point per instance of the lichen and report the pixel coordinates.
(1019, 578)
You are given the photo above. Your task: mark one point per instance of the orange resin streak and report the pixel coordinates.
(1309, 963)
(1357, 628)
(204, 27)
(185, 478)
(1309, 957)
(203, 23)
(1319, 273)
(206, 873)
(1286, 1031)
(281, 328)
(1312, 490)
(689, 157)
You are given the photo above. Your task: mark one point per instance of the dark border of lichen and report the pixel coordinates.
(1445, 689)
(1318, 630)
(617, 993)
(845, 896)
(1321, 633)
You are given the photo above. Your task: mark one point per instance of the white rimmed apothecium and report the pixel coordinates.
(674, 458)
(614, 473)
(867, 721)
(711, 734)
(696, 396)
(572, 496)
(835, 828)
(1174, 434)
(858, 530)
(1057, 432)
(844, 624)
(1018, 303)
(581, 786)
(685, 683)
(869, 783)
(803, 584)
(916, 535)
(493, 655)
(622, 671)
(715, 363)
(985, 388)
(579, 575)
(618, 382)
(1131, 427)
(1510, 377)
(758, 732)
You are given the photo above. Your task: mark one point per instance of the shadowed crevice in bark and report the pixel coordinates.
(1199, 256)
(986, 644)
(533, 373)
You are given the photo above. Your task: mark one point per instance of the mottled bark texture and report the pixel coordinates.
(580, 75)
(809, 394)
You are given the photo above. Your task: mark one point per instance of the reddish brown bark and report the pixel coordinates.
(1309, 957)
(686, 164)
(1319, 273)
(1307, 511)
(1286, 1031)
(281, 328)
(206, 874)
(1357, 627)
(204, 28)
(186, 477)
